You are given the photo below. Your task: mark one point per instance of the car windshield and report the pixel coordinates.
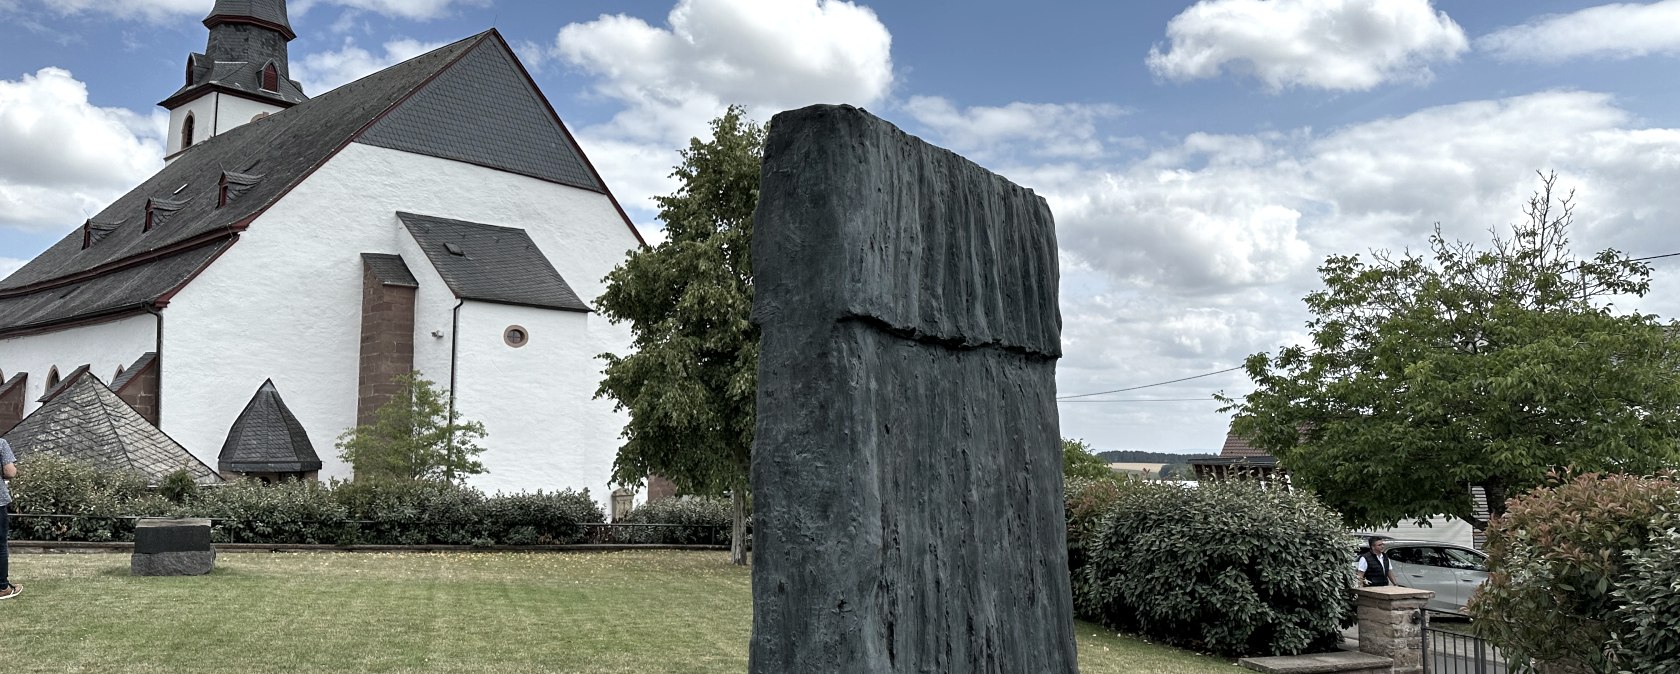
(1464, 559)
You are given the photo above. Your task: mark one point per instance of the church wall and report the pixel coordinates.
(237, 112)
(104, 346)
(537, 401)
(285, 303)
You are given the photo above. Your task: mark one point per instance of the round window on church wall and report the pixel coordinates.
(515, 336)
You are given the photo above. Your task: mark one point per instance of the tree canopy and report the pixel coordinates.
(1079, 461)
(415, 436)
(1431, 374)
(691, 384)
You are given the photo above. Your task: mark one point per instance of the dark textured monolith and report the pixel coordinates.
(907, 473)
(172, 547)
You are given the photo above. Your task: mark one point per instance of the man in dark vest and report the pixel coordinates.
(1373, 566)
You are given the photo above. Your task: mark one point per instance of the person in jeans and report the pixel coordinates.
(8, 470)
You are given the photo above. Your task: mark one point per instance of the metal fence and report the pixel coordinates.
(1453, 651)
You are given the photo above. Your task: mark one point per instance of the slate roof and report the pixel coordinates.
(521, 137)
(284, 147)
(490, 263)
(140, 365)
(390, 270)
(267, 438)
(267, 11)
(239, 76)
(88, 422)
(130, 270)
(65, 383)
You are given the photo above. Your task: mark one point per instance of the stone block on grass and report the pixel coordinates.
(172, 547)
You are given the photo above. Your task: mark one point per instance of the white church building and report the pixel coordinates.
(435, 216)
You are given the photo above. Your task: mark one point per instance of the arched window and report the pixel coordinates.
(271, 78)
(52, 379)
(187, 132)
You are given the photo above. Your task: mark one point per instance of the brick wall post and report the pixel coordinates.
(1391, 625)
(387, 342)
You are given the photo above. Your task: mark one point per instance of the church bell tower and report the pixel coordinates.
(242, 76)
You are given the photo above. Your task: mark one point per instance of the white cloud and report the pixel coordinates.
(767, 55)
(323, 71)
(1617, 31)
(1323, 44)
(1036, 129)
(1198, 253)
(65, 158)
(150, 10)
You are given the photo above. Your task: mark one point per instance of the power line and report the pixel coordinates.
(1159, 383)
(1144, 400)
(1239, 367)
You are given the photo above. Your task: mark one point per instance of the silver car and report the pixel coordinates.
(1452, 572)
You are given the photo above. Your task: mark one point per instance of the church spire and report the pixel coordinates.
(243, 75)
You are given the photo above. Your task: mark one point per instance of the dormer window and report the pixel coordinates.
(189, 71)
(233, 185)
(92, 232)
(159, 210)
(270, 78)
(187, 132)
(150, 212)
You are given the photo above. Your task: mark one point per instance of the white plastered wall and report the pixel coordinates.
(214, 113)
(284, 302)
(103, 346)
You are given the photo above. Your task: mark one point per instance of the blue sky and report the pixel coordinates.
(1201, 157)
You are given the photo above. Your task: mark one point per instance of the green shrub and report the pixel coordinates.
(1229, 567)
(1085, 500)
(1647, 616)
(178, 487)
(541, 518)
(49, 484)
(702, 520)
(1556, 559)
(412, 512)
(248, 511)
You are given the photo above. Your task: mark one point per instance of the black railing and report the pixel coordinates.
(120, 528)
(1452, 651)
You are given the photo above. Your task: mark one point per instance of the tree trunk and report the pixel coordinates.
(738, 534)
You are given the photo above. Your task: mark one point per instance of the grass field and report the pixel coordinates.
(602, 613)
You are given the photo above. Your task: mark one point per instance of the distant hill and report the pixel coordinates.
(1139, 456)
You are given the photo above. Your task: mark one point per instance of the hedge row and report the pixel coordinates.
(1229, 567)
(345, 513)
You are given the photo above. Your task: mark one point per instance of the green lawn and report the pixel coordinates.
(600, 613)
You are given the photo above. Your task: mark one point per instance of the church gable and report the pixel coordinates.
(484, 110)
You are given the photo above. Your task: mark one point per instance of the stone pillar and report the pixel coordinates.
(906, 470)
(12, 400)
(1391, 625)
(388, 294)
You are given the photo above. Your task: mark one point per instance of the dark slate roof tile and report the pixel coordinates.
(285, 147)
(267, 438)
(270, 11)
(65, 383)
(140, 365)
(512, 130)
(127, 290)
(496, 264)
(390, 270)
(88, 422)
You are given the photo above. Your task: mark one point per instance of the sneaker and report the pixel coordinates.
(10, 592)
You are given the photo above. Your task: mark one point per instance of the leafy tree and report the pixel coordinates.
(1178, 471)
(1079, 461)
(691, 384)
(415, 436)
(1429, 375)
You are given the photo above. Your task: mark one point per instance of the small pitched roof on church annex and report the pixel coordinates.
(128, 269)
(65, 383)
(390, 270)
(132, 372)
(89, 423)
(267, 438)
(491, 264)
